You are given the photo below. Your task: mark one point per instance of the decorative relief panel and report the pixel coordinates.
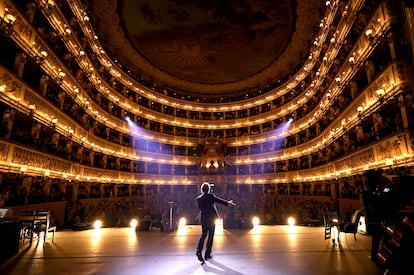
(100, 173)
(342, 165)
(126, 176)
(391, 148)
(4, 151)
(401, 71)
(330, 169)
(76, 170)
(308, 173)
(32, 158)
(362, 158)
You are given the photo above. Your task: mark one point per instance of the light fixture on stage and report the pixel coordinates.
(219, 226)
(133, 223)
(291, 221)
(255, 221)
(182, 222)
(97, 224)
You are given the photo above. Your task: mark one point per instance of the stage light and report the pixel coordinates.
(127, 118)
(97, 224)
(182, 222)
(133, 223)
(291, 221)
(255, 221)
(219, 226)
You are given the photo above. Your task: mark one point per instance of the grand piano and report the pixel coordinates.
(9, 235)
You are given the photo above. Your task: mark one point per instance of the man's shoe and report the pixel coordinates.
(200, 257)
(207, 257)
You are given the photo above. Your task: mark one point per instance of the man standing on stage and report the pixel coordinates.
(207, 205)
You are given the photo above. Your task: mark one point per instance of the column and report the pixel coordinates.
(75, 191)
(370, 70)
(406, 109)
(44, 80)
(353, 86)
(19, 63)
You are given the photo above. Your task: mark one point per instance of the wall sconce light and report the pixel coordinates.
(359, 110)
(50, 4)
(368, 33)
(40, 59)
(54, 122)
(61, 75)
(338, 81)
(7, 22)
(328, 3)
(67, 34)
(380, 93)
(351, 61)
(32, 107)
(9, 18)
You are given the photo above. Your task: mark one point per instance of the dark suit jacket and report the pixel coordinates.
(207, 206)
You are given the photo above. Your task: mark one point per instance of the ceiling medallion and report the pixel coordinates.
(208, 46)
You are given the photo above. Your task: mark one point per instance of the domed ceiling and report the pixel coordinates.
(208, 47)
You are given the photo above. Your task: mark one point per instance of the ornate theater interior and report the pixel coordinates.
(290, 108)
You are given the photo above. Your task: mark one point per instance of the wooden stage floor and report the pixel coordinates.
(261, 250)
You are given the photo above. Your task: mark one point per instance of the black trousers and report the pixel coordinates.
(376, 232)
(206, 229)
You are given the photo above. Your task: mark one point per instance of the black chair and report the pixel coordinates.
(332, 221)
(352, 227)
(41, 225)
(144, 225)
(26, 225)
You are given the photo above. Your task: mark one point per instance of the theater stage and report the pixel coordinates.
(262, 250)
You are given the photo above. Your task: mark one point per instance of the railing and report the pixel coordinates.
(395, 150)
